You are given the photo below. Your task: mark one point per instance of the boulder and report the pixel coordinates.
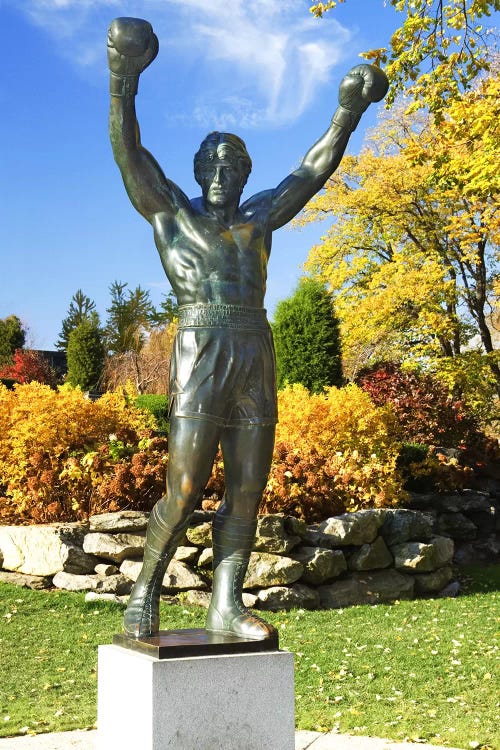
(200, 535)
(177, 578)
(367, 588)
(197, 598)
(296, 596)
(45, 550)
(186, 554)
(295, 526)
(114, 547)
(402, 525)
(105, 569)
(456, 525)
(25, 580)
(115, 584)
(73, 582)
(206, 558)
(422, 557)
(271, 535)
(266, 570)
(320, 565)
(431, 583)
(372, 556)
(450, 591)
(122, 521)
(468, 501)
(353, 528)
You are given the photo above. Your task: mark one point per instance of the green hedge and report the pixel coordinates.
(158, 406)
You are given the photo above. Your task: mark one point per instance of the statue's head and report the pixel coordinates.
(224, 149)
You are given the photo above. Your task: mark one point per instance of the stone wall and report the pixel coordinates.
(359, 558)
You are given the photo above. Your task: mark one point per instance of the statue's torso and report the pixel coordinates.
(209, 262)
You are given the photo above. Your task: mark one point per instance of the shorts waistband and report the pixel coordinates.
(224, 316)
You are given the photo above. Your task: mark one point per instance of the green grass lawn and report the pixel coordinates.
(425, 670)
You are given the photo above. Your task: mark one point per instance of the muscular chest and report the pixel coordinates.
(211, 249)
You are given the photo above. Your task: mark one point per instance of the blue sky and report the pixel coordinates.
(265, 70)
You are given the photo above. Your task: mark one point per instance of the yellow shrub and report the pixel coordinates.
(46, 439)
(334, 452)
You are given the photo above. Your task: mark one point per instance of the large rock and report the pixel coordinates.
(353, 528)
(296, 596)
(401, 525)
(320, 565)
(25, 580)
(432, 583)
(374, 556)
(206, 558)
(121, 521)
(367, 588)
(201, 535)
(295, 526)
(456, 525)
(420, 557)
(177, 578)
(186, 554)
(72, 582)
(114, 547)
(469, 501)
(197, 598)
(45, 550)
(265, 569)
(271, 535)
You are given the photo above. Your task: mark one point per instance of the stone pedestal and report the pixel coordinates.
(217, 702)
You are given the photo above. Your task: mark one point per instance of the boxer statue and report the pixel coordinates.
(222, 387)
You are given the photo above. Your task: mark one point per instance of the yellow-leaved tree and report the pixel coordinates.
(411, 254)
(437, 52)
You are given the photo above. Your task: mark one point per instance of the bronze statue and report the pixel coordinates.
(222, 387)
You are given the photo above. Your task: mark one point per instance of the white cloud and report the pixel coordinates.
(264, 61)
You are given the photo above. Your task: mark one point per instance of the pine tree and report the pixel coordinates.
(85, 355)
(129, 317)
(307, 340)
(81, 308)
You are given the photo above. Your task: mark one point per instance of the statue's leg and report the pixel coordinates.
(192, 447)
(247, 455)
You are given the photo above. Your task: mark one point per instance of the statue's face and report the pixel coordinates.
(222, 181)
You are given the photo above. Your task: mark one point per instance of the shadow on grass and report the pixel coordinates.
(477, 579)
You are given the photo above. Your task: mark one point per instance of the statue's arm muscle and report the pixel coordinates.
(147, 187)
(302, 184)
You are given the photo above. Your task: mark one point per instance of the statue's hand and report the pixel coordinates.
(132, 46)
(363, 85)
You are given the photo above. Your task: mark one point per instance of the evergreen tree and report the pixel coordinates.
(85, 355)
(307, 339)
(81, 308)
(129, 317)
(12, 337)
(168, 310)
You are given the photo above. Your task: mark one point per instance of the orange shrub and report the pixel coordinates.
(57, 447)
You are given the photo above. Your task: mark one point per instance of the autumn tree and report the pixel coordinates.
(29, 365)
(437, 52)
(85, 354)
(411, 255)
(81, 308)
(307, 339)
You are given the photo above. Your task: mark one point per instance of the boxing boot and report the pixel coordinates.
(142, 616)
(233, 539)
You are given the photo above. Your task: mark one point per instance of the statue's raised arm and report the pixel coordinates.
(132, 46)
(363, 85)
